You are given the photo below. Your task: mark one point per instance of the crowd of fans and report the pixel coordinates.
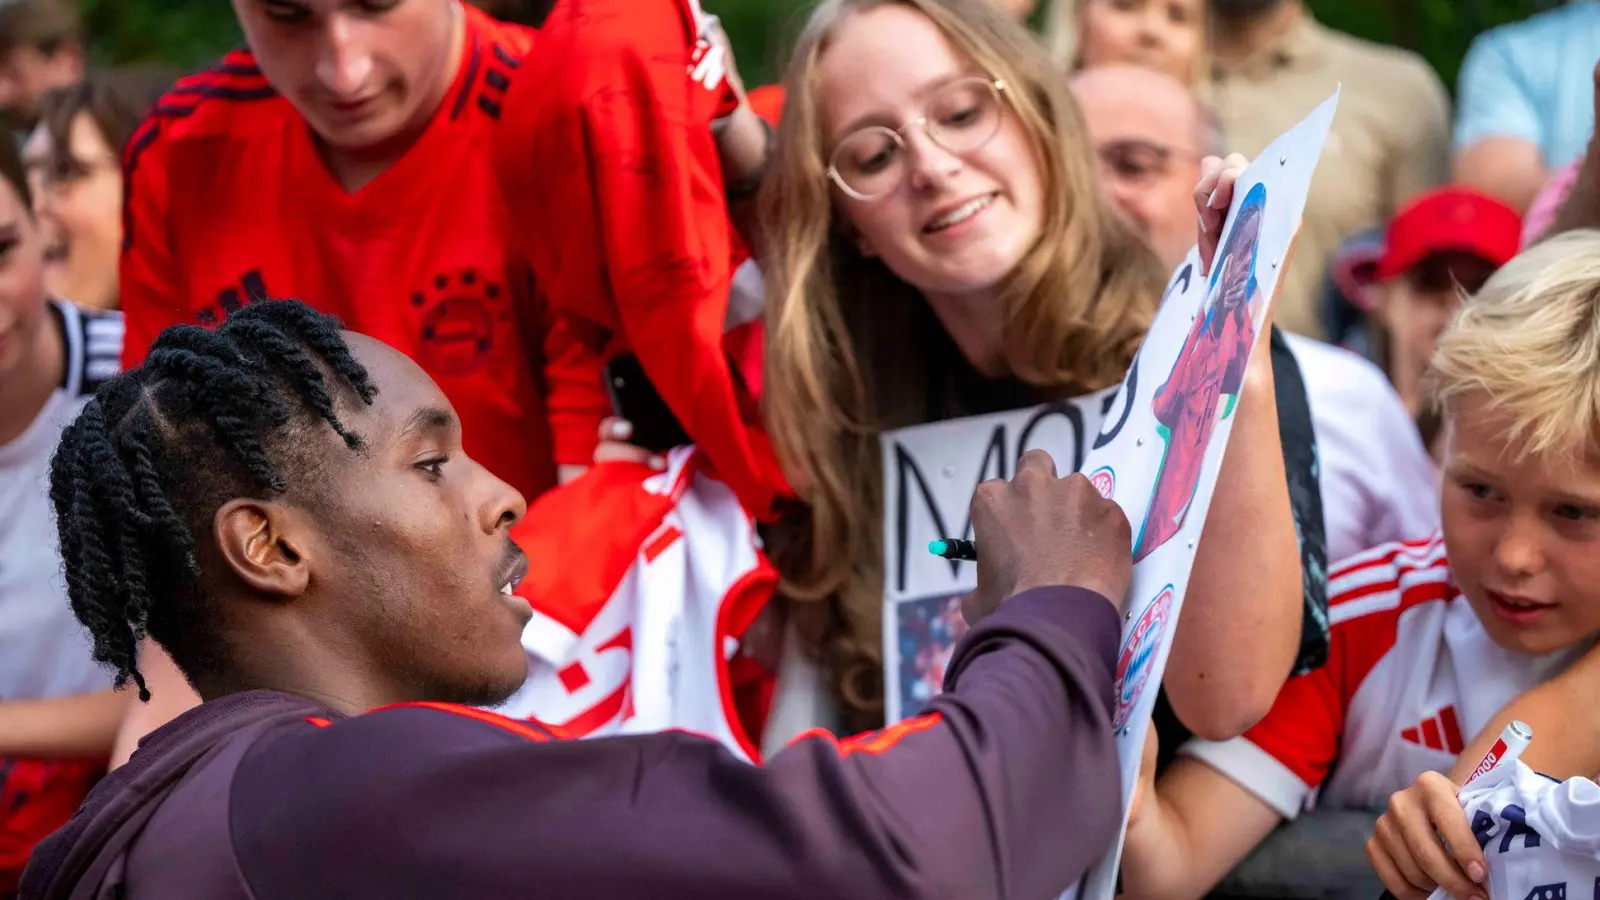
(936, 214)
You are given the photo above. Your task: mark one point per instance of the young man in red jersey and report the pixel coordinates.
(626, 142)
(340, 160)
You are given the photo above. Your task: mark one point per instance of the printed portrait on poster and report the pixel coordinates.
(1204, 385)
(927, 631)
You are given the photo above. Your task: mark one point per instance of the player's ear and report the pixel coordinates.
(265, 545)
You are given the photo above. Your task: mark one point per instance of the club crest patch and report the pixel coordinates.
(1138, 655)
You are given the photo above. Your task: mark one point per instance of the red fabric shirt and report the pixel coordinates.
(615, 186)
(229, 201)
(37, 796)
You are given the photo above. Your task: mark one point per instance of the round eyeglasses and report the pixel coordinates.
(960, 117)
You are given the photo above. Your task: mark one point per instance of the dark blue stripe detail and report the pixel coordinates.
(149, 131)
(506, 59)
(224, 92)
(471, 80)
(227, 68)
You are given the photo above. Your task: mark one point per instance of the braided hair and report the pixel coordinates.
(210, 416)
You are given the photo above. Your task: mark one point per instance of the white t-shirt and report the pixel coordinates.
(1411, 676)
(1378, 482)
(44, 651)
(1540, 837)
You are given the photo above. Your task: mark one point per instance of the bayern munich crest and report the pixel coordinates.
(1138, 655)
(1104, 481)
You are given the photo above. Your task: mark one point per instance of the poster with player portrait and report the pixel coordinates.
(1154, 444)
(930, 472)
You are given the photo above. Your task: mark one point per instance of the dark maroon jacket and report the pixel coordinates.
(1006, 788)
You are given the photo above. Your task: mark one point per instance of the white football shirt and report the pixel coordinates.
(1411, 676)
(1377, 480)
(1540, 837)
(44, 652)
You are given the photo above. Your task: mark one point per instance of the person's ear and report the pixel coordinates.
(264, 546)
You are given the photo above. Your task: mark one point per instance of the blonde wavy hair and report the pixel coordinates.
(1530, 342)
(845, 358)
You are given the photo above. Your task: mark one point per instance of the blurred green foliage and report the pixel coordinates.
(190, 32)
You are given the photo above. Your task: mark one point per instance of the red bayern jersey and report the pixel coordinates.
(615, 186)
(1411, 677)
(228, 201)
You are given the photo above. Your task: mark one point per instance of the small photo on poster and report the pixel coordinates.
(926, 633)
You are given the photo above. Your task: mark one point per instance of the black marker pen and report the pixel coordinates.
(954, 548)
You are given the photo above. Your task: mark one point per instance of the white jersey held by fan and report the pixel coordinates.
(1540, 837)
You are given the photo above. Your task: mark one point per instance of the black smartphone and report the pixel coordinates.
(634, 398)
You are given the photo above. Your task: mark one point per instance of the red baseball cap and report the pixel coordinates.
(1450, 220)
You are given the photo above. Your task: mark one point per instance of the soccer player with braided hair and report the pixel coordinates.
(126, 482)
(287, 510)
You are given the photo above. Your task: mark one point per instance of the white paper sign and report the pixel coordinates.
(930, 473)
(1157, 448)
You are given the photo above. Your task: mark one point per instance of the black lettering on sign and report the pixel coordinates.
(909, 474)
(1556, 891)
(1066, 411)
(1181, 279)
(999, 460)
(1109, 428)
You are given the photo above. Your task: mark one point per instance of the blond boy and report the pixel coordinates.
(1429, 638)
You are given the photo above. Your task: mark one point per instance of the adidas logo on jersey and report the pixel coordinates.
(1439, 731)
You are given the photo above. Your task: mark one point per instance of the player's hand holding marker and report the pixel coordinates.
(1039, 530)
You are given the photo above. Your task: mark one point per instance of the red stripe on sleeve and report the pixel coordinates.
(533, 731)
(874, 743)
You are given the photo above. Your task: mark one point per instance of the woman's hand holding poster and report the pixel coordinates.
(1154, 444)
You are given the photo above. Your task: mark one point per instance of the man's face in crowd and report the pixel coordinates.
(1166, 35)
(26, 73)
(1522, 533)
(1145, 127)
(362, 72)
(405, 545)
(1414, 309)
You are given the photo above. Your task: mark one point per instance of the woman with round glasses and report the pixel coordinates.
(937, 247)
